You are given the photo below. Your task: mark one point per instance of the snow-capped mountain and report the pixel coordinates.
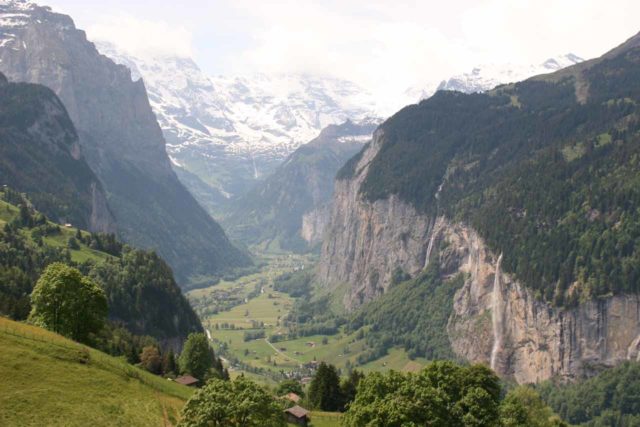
(231, 131)
(486, 77)
(226, 133)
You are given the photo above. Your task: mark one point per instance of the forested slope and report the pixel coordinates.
(142, 293)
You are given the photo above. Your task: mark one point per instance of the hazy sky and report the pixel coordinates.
(380, 44)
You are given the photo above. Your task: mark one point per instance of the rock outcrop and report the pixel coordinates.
(366, 242)
(499, 322)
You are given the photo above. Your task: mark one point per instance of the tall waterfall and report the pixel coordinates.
(497, 316)
(437, 225)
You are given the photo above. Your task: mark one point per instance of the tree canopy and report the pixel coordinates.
(66, 302)
(198, 359)
(240, 403)
(324, 390)
(442, 394)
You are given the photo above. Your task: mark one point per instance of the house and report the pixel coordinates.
(187, 380)
(297, 415)
(292, 397)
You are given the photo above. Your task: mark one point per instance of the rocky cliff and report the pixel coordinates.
(498, 321)
(490, 188)
(495, 320)
(366, 241)
(40, 156)
(118, 135)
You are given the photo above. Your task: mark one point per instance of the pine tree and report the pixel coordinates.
(324, 390)
(168, 363)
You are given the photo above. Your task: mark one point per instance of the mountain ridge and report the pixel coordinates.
(231, 132)
(119, 137)
(288, 209)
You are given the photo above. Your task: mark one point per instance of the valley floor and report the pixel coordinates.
(236, 312)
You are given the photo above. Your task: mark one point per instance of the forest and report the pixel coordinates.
(550, 182)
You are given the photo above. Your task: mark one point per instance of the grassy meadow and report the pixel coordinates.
(46, 379)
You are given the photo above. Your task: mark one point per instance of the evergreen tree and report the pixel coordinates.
(324, 390)
(169, 363)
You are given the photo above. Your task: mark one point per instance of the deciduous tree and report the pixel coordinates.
(68, 303)
(240, 403)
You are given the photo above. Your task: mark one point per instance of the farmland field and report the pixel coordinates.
(245, 321)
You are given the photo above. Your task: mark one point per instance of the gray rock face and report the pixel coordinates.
(119, 136)
(495, 319)
(365, 242)
(499, 322)
(40, 156)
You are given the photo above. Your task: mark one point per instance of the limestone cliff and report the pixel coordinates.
(499, 322)
(522, 190)
(367, 241)
(495, 319)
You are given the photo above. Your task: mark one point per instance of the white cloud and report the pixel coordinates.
(143, 37)
(384, 45)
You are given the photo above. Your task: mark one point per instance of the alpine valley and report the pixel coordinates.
(262, 249)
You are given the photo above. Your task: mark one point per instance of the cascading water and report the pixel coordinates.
(497, 316)
(435, 231)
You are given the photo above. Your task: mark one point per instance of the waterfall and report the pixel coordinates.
(497, 316)
(434, 233)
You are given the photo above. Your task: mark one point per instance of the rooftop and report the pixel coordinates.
(297, 411)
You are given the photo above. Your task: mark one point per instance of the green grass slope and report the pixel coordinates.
(46, 379)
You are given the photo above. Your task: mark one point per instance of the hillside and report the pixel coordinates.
(119, 137)
(530, 192)
(44, 376)
(143, 295)
(40, 155)
(289, 208)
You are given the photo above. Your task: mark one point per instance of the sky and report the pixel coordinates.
(382, 45)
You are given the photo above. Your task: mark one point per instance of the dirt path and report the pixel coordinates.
(281, 353)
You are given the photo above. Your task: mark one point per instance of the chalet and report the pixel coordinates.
(187, 380)
(297, 415)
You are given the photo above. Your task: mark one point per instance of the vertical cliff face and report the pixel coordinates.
(495, 320)
(499, 322)
(40, 156)
(539, 168)
(367, 242)
(118, 135)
